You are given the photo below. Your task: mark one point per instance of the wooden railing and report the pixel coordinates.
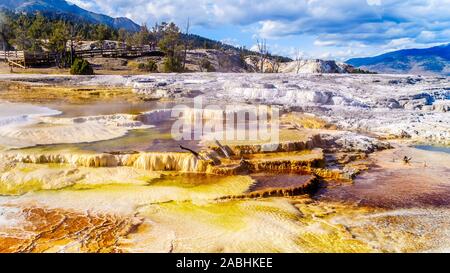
(23, 59)
(36, 58)
(13, 58)
(118, 52)
(12, 55)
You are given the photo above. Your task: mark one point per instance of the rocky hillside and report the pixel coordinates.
(275, 65)
(434, 60)
(65, 10)
(316, 66)
(197, 60)
(227, 61)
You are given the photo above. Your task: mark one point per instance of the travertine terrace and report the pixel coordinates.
(97, 169)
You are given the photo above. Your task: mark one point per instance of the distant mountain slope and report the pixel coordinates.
(434, 60)
(61, 8)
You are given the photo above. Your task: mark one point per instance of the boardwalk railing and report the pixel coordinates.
(12, 55)
(118, 52)
(23, 59)
(13, 58)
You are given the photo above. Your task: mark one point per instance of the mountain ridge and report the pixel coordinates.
(62, 8)
(433, 60)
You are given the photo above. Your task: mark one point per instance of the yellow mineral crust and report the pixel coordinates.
(282, 225)
(308, 162)
(184, 162)
(288, 141)
(21, 178)
(269, 225)
(77, 187)
(233, 226)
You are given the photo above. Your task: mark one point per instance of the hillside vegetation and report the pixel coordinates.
(39, 33)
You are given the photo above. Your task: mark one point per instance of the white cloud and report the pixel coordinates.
(344, 23)
(231, 41)
(325, 43)
(254, 48)
(426, 35)
(399, 43)
(374, 2)
(89, 5)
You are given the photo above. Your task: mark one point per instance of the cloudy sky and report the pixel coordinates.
(331, 29)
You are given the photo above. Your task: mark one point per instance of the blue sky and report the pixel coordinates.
(329, 29)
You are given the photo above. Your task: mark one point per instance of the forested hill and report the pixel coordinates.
(63, 10)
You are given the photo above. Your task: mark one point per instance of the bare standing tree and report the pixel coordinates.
(73, 29)
(276, 63)
(298, 61)
(254, 60)
(186, 43)
(263, 53)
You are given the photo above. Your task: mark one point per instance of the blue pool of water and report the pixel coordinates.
(432, 148)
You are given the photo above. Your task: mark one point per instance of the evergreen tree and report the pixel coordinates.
(122, 37)
(58, 41)
(143, 37)
(102, 33)
(170, 44)
(21, 26)
(37, 32)
(6, 31)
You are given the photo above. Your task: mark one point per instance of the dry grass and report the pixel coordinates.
(22, 92)
(5, 69)
(306, 121)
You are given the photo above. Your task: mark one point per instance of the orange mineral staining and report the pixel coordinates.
(58, 230)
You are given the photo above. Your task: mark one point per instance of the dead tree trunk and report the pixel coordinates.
(223, 149)
(298, 61)
(197, 155)
(186, 42)
(263, 53)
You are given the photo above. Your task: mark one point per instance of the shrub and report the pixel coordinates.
(361, 71)
(206, 65)
(172, 64)
(81, 67)
(141, 66)
(150, 66)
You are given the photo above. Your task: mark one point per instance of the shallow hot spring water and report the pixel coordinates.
(110, 108)
(434, 148)
(157, 139)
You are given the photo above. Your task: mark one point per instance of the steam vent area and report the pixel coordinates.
(347, 163)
